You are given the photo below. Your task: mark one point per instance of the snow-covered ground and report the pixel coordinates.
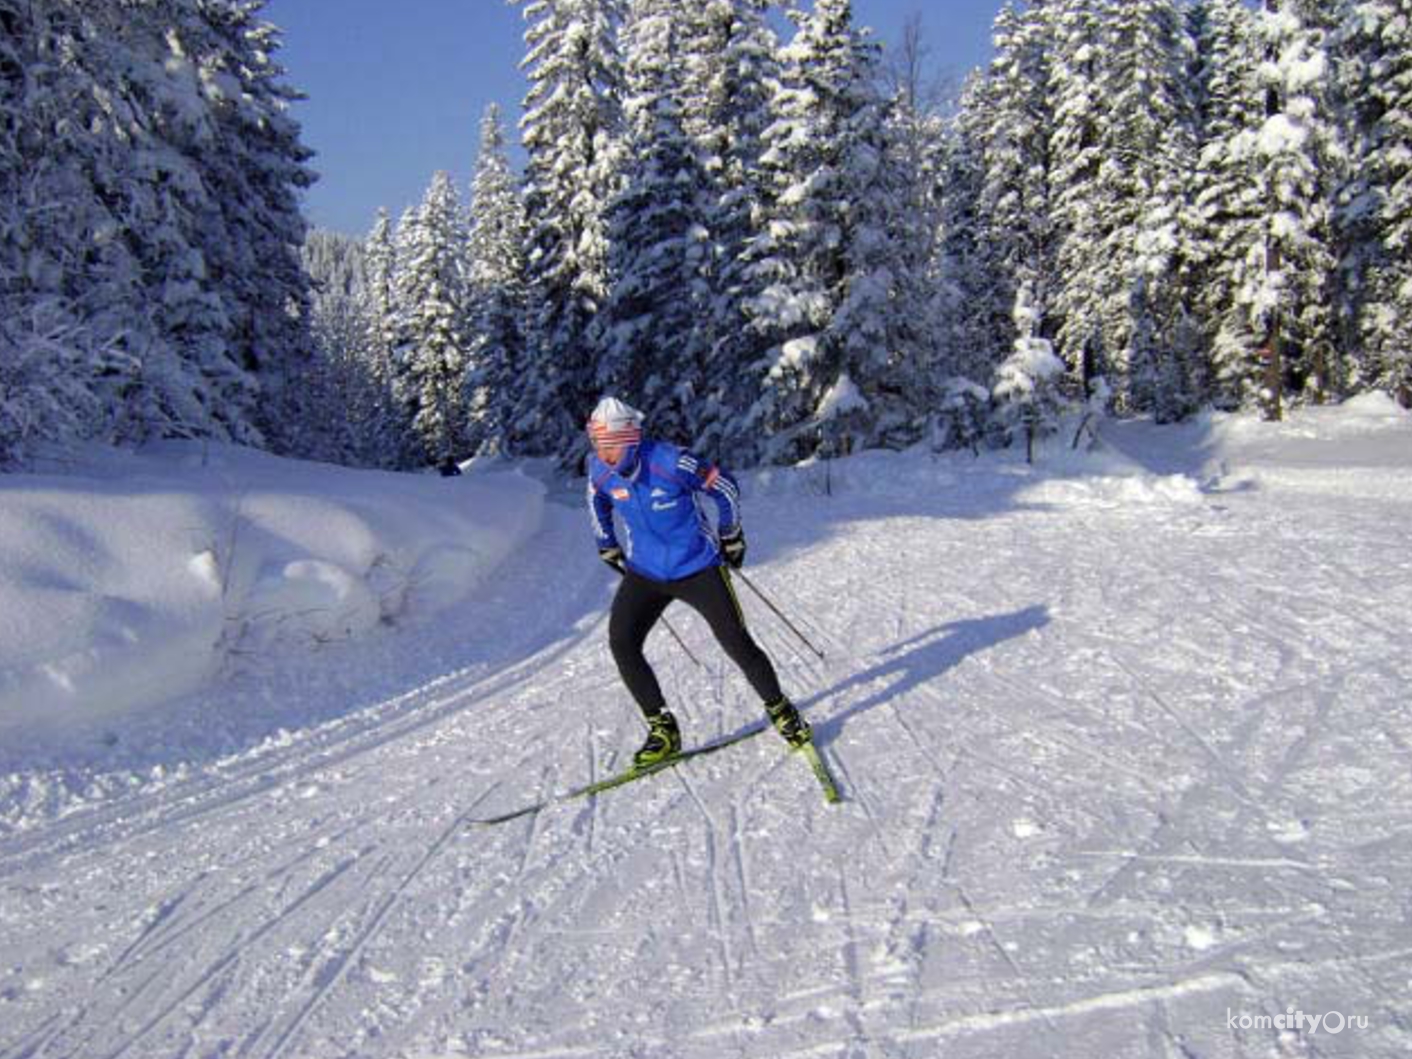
(1124, 741)
(127, 580)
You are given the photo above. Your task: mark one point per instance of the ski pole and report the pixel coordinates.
(680, 642)
(663, 619)
(778, 613)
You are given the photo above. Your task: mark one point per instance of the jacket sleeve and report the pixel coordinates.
(600, 511)
(706, 477)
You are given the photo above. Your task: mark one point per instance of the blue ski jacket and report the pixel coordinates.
(655, 490)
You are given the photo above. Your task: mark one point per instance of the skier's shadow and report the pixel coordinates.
(922, 658)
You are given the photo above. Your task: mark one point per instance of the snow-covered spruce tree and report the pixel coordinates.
(1017, 233)
(649, 339)
(827, 254)
(1228, 206)
(432, 294)
(1147, 143)
(49, 355)
(571, 129)
(1027, 385)
(1284, 278)
(83, 287)
(1375, 43)
(133, 122)
(1080, 198)
(380, 292)
(400, 445)
(348, 388)
(406, 392)
(730, 54)
(252, 167)
(335, 386)
(496, 263)
(916, 145)
(969, 306)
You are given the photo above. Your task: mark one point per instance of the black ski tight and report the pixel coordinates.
(641, 601)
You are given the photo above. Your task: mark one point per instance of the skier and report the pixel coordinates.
(671, 555)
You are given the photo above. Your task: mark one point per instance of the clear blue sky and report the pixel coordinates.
(396, 90)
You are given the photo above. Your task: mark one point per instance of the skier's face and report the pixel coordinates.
(610, 452)
(613, 442)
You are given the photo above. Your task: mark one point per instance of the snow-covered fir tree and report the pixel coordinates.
(1202, 200)
(729, 51)
(496, 273)
(1228, 206)
(432, 296)
(1285, 277)
(1027, 390)
(348, 415)
(916, 138)
(1375, 44)
(969, 301)
(571, 129)
(1017, 216)
(150, 160)
(252, 167)
(1079, 195)
(1147, 143)
(649, 339)
(394, 323)
(380, 292)
(827, 255)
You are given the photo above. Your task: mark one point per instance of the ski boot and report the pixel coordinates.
(663, 740)
(788, 723)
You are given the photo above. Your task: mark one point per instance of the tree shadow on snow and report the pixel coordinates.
(921, 659)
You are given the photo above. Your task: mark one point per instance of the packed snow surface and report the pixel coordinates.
(1124, 740)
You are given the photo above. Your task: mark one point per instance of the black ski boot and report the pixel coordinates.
(663, 740)
(788, 723)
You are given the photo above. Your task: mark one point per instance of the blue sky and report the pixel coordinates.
(396, 90)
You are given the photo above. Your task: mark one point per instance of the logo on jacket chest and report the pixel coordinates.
(660, 501)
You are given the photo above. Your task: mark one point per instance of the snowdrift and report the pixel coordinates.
(128, 579)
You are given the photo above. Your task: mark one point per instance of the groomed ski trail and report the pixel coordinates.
(1110, 778)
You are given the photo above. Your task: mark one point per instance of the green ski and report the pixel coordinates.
(627, 776)
(821, 772)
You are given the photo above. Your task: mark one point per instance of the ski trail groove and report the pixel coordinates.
(220, 790)
(368, 931)
(720, 927)
(742, 873)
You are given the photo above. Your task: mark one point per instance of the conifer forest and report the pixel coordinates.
(745, 217)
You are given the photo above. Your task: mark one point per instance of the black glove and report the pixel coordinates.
(733, 548)
(613, 556)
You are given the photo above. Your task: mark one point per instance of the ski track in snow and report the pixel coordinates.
(1112, 773)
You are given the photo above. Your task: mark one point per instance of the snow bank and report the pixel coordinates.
(1062, 475)
(1357, 449)
(1354, 449)
(128, 579)
(1109, 491)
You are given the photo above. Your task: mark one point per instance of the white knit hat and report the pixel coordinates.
(615, 423)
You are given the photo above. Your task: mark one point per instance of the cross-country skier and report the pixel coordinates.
(670, 555)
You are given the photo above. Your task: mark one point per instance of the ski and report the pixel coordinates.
(822, 772)
(628, 775)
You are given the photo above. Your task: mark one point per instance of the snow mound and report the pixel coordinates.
(1114, 491)
(128, 579)
(1354, 449)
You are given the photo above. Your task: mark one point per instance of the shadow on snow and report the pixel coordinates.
(921, 659)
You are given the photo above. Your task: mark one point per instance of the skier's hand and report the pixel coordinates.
(733, 548)
(613, 556)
